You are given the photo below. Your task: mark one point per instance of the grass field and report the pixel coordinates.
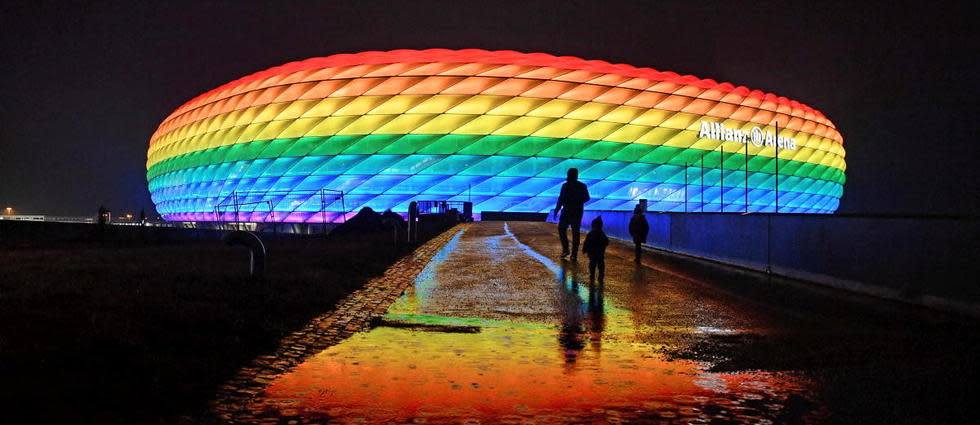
(135, 332)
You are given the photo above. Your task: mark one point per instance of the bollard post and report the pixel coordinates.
(413, 222)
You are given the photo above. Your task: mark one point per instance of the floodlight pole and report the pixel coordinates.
(686, 165)
(234, 200)
(701, 183)
(777, 166)
(747, 176)
(275, 228)
(343, 205)
(323, 210)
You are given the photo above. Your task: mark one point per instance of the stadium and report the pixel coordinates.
(318, 139)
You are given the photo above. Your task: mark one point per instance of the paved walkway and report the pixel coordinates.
(496, 328)
(352, 314)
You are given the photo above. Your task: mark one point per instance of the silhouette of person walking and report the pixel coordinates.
(595, 247)
(571, 204)
(639, 228)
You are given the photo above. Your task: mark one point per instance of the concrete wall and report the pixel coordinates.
(931, 261)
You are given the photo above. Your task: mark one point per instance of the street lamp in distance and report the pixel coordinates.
(8, 211)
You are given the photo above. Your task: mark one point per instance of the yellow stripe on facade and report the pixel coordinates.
(477, 105)
(397, 115)
(476, 125)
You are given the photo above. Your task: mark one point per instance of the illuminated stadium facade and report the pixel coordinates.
(498, 128)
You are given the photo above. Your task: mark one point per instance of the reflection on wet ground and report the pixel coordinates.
(497, 330)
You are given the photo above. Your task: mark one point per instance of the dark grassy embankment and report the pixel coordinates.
(136, 330)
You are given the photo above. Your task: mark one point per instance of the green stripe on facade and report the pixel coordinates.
(489, 145)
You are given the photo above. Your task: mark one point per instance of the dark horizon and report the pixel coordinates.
(86, 86)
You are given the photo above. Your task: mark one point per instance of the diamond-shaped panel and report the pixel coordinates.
(499, 128)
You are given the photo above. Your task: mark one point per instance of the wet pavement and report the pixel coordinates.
(496, 328)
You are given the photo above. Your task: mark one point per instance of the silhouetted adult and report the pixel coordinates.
(638, 230)
(571, 204)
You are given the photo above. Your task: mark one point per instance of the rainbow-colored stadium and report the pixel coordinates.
(498, 128)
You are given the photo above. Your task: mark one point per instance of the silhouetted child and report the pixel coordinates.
(638, 230)
(595, 247)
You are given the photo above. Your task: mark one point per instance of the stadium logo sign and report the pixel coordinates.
(757, 136)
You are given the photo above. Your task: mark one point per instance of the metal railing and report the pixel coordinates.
(440, 207)
(245, 198)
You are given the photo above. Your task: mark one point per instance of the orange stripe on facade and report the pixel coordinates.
(502, 62)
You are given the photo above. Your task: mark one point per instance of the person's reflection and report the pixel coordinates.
(580, 318)
(638, 292)
(571, 335)
(595, 320)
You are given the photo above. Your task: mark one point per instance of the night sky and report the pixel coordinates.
(84, 87)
